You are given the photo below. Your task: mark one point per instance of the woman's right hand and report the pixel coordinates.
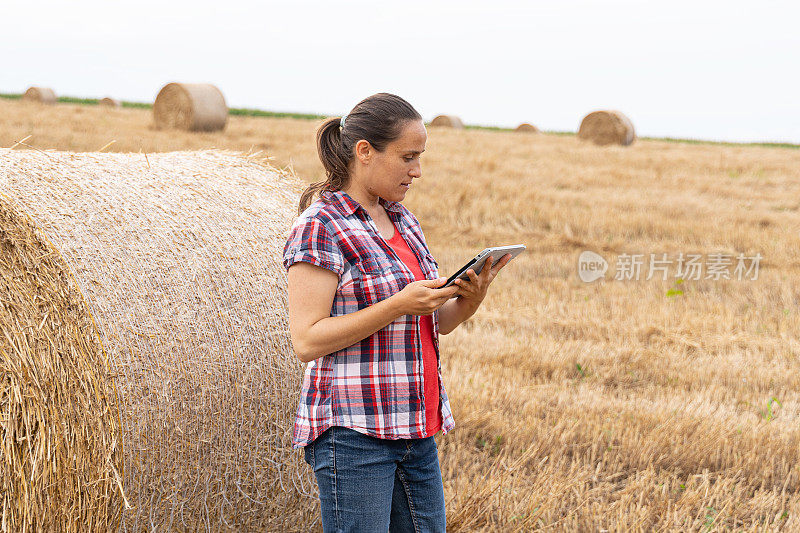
(422, 298)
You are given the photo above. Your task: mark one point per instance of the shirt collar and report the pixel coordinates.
(347, 205)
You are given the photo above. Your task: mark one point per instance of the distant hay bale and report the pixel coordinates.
(144, 344)
(527, 128)
(447, 121)
(607, 127)
(43, 95)
(109, 102)
(190, 106)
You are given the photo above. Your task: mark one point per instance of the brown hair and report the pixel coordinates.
(378, 119)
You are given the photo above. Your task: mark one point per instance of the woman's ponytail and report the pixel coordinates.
(334, 159)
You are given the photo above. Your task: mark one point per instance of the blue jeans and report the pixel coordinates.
(367, 484)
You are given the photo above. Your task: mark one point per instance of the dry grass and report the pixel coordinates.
(526, 127)
(191, 107)
(42, 95)
(666, 426)
(447, 121)
(143, 323)
(56, 395)
(109, 102)
(607, 127)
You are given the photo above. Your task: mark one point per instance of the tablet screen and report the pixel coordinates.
(477, 262)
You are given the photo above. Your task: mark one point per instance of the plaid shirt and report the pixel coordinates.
(374, 386)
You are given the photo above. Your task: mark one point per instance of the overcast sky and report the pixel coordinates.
(711, 70)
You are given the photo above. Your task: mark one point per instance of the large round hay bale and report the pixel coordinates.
(109, 102)
(607, 127)
(527, 128)
(144, 344)
(447, 121)
(42, 95)
(190, 106)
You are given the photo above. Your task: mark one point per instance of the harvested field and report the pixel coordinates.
(614, 405)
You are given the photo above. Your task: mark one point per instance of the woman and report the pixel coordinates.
(365, 314)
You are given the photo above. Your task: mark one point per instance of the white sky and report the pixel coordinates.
(727, 70)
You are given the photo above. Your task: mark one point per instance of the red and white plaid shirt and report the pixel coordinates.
(374, 386)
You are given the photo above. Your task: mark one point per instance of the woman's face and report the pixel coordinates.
(391, 172)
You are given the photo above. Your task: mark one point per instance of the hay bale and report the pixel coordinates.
(447, 121)
(190, 106)
(607, 127)
(527, 128)
(109, 102)
(144, 344)
(42, 95)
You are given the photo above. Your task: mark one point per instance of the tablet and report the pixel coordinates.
(476, 263)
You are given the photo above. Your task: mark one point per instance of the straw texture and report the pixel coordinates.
(144, 344)
(109, 102)
(607, 127)
(527, 128)
(56, 396)
(447, 121)
(190, 106)
(43, 95)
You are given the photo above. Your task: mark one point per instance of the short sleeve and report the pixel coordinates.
(310, 241)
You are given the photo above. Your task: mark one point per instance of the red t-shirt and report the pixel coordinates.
(430, 379)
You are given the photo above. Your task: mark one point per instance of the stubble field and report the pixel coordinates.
(616, 405)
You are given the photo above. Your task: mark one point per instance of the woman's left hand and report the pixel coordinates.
(473, 290)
